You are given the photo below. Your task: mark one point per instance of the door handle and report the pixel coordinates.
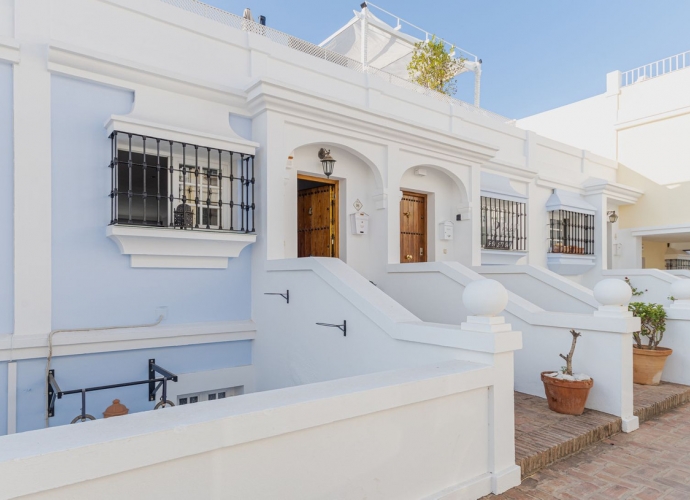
(408, 257)
(421, 251)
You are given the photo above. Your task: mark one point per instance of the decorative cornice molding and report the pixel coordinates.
(9, 50)
(16, 347)
(269, 94)
(614, 191)
(659, 230)
(186, 136)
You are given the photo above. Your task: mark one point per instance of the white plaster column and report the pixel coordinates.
(600, 202)
(485, 300)
(393, 203)
(271, 159)
(474, 194)
(32, 170)
(614, 296)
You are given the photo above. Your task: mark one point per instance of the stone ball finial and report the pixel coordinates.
(612, 292)
(680, 290)
(485, 298)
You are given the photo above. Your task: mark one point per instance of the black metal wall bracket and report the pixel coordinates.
(342, 328)
(154, 384)
(285, 295)
(153, 369)
(53, 390)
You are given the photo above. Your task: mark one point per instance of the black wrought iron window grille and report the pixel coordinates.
(571, 232)
(162, 183)
(504, 224)
(672, 264)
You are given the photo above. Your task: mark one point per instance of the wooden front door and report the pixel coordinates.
(317, 221)
(412, 227)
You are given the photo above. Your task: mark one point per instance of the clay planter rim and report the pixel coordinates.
(646, 351)
(576, 384)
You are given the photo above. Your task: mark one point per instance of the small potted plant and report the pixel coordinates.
(567, 392)
(649, 360)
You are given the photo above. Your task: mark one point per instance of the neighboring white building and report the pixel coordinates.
(641, 122)
(168, 165)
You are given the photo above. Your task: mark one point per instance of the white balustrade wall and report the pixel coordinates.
(603, 352)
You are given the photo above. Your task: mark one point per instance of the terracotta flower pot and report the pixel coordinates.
(648, 364)
(566, 396)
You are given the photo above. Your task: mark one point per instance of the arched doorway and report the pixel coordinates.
(318, 217)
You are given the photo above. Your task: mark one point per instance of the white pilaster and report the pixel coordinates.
(32, 171)
(393, 203)
(614, 296)
(11, 397)
(476, 219)
(487, 299)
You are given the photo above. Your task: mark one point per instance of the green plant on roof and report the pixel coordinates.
(433, 67)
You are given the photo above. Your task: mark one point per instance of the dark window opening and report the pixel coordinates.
(504, 224)
(677, 264)
(164, 183)
(571, 232)
(149, 188)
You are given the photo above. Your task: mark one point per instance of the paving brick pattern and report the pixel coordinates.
(649, 464)
(543, 437)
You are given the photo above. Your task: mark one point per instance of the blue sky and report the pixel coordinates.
(537, 54)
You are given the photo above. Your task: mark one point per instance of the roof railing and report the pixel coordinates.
(656, 69)
(238, 22)
(427, 35)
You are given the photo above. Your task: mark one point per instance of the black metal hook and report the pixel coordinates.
(285, 295)
(343, 327)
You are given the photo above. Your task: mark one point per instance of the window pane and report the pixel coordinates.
(211, 397)
(147, 180)
(183, 401)
(194, 399)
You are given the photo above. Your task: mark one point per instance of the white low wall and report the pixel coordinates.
(543, 287)
(603, 352)
(415, 433)
(680, 273)
(291, 349)
(653, 282)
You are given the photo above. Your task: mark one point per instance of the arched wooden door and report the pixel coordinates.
(413, 227)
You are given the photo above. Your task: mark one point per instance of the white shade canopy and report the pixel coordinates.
(387, 48)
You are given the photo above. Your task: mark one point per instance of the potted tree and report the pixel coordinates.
(649, 360)
(567, 392)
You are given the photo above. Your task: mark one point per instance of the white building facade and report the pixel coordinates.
(165, 181)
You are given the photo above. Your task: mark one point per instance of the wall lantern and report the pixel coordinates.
(613, 216)
(327, 162)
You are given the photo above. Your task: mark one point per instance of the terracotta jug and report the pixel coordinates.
(115, 410)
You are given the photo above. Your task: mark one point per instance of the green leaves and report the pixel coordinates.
(653, 323)
(433, 67)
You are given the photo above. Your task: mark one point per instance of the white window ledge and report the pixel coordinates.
(176, 248)
(501, 257)
(570, 265)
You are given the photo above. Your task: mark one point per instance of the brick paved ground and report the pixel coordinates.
(543, 437)
(651, 463)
